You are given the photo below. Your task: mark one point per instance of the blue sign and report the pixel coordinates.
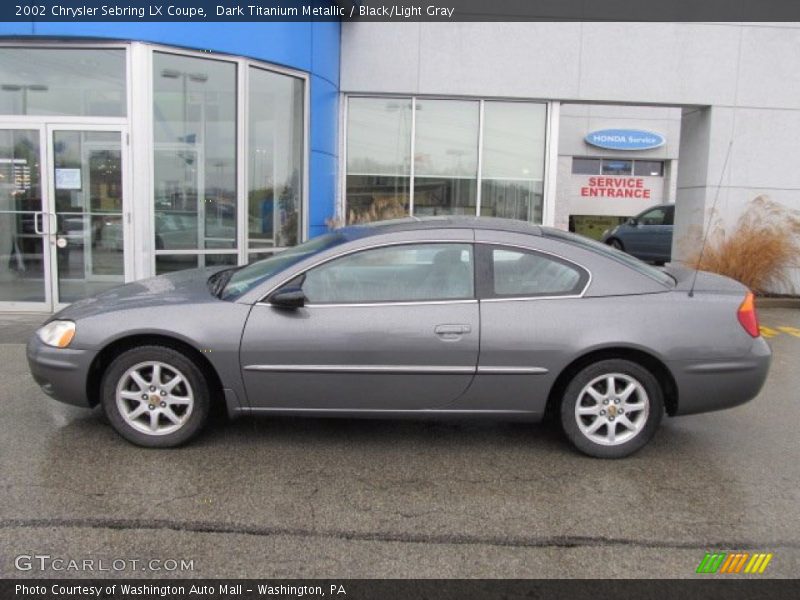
(625, 139)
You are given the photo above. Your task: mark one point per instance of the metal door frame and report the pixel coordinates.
(127, 203)
(40, 219)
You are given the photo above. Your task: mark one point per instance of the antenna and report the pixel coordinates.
(710, 216)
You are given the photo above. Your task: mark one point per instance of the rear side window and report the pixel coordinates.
(611, 253)
(407, 273)
(525, 273)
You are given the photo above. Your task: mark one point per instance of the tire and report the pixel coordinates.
(177, 401)
(615, 243)
(637, 399)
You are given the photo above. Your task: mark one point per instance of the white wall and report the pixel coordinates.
(579, 119)
(662, 63)
(746, 77)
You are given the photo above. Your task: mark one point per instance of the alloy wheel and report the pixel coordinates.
(154, 398)
(612, 409)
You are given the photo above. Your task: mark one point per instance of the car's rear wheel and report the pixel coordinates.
(155, 396)
(612, 408)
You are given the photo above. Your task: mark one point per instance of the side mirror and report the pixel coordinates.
(290, 297)
(633, 222)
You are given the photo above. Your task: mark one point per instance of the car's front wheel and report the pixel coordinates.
(155, 396)
(612, 408)
(615, 243)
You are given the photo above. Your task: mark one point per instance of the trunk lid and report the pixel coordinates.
(706, 282)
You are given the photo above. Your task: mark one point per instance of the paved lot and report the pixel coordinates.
(330, 498)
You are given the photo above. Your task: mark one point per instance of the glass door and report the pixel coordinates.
(24, 247)
(87, 225)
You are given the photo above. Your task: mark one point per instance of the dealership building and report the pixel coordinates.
(129, 150)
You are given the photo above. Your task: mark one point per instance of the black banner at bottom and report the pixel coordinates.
(251, 589)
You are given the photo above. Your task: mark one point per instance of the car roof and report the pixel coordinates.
(575, 248)
(353, 232)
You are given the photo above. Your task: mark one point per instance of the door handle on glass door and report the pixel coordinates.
(37, 229)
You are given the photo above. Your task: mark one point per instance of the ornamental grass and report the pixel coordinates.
(759, 251)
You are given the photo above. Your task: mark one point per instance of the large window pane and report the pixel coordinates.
(586, 166)
(21, 248)
(275, 155)
(617, 167)
(648, 168)
(62, 81)
(446, 157)
(378, 158)
(194, 116)
(168, 263)
(513, 160)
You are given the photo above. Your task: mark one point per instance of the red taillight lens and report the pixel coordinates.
(747, 315)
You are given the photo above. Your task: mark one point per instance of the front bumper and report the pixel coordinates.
(705, 386)
(62, 373)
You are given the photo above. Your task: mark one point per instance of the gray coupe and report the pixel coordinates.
(437, 317)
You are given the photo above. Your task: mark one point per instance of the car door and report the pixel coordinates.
(664, 250)
(643, 239)
(388, 328)
(526, 296)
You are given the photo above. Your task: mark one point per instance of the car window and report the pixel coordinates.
(414, 272)
(653, 217)
(611, 253)
(526, 273)
(247, 278)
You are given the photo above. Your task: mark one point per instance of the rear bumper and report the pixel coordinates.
(708, 385)
(60, 372)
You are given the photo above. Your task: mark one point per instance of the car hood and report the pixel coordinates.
(190, 286)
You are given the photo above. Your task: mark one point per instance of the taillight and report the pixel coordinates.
(747, 315)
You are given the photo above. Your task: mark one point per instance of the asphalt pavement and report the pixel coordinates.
(281, 497)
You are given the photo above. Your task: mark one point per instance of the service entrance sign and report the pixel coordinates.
(616, 187)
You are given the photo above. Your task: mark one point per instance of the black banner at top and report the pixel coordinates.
(401, 11)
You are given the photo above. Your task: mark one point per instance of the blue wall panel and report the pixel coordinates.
(324, 115)
(323, 168)
(325, 58)
(310, 47)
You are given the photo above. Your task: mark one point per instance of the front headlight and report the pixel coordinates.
(58, 334)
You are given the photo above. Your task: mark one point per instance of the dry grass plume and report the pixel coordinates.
(381, 209)
(758, 251)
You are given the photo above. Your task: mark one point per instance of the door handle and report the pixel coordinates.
(37, 229)
(452, 329)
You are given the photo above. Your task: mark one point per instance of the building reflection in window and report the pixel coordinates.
(378, 158)
(194, 115)
(448, 163)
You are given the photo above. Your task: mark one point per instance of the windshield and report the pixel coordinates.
(617, 255)
(247, 278)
